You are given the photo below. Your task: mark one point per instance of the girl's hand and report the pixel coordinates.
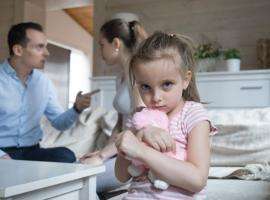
(157, 138)
(128, 145)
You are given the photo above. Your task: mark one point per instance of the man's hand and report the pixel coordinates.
(6, 156)
(83, 100)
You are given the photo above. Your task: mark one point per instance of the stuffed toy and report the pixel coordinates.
(140, 120)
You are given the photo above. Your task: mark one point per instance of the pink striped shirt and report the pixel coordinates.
(180, 126)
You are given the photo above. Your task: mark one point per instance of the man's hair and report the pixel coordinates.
(17, 34)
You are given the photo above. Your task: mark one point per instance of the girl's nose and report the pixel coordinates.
(157, 96)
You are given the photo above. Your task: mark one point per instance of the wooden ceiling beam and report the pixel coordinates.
(65, 4)
(83, 16)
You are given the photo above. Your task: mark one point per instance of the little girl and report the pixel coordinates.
(163, 70)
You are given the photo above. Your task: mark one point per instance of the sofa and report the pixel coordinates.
(240, 152)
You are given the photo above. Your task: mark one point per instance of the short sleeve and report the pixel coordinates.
(196, 113)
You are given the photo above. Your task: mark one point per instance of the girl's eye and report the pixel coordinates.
(167, 85)
(145, 87)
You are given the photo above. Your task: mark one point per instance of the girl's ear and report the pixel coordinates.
(187, 79)
(116, 43)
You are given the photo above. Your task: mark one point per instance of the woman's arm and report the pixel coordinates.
(190, 174)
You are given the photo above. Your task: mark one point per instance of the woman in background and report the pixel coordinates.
(118, 40)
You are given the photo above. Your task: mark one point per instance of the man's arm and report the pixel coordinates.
(64, 120)
(54, 112)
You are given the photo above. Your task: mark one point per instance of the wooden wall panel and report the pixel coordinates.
(15, 11)
(6, 18)
(231, 23)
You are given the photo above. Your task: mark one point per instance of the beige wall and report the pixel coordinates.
(6, 18)
(34, 10)
(60, 27)
(15, 11)
(64, 30)
(231, 23)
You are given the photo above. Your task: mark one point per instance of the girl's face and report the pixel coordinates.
(108, 51)
(161, 85)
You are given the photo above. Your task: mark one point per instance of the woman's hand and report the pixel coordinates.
(95, 160)
(128, 145)
(157, 138)
(89, 155)
(92, 158)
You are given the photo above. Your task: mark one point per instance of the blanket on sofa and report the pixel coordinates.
(243, 136)
(249, 172)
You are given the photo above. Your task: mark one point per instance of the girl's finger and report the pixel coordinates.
(162, 146)
(156, 146)
(169, 142)
(168, 146)
(140, 134)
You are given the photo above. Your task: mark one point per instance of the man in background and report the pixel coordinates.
(26, 94)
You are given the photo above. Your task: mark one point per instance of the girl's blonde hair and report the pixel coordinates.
(169, 46)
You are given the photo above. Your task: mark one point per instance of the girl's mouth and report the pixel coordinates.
(160, 108)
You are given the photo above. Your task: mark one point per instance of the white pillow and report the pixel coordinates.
(82, 137)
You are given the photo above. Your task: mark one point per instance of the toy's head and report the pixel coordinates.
(150, 117)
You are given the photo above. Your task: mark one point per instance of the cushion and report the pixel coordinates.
(82, 137)
(107, 124)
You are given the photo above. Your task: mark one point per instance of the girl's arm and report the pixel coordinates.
(191, 174)
(126, 142)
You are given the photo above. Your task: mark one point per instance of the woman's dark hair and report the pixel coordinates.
(131, 33)
(179, 48)
(17, 34)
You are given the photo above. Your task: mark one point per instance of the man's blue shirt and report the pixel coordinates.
(22, 106)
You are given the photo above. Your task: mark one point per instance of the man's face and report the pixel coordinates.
(35, 52)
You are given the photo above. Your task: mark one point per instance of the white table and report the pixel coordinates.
(33, 180)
